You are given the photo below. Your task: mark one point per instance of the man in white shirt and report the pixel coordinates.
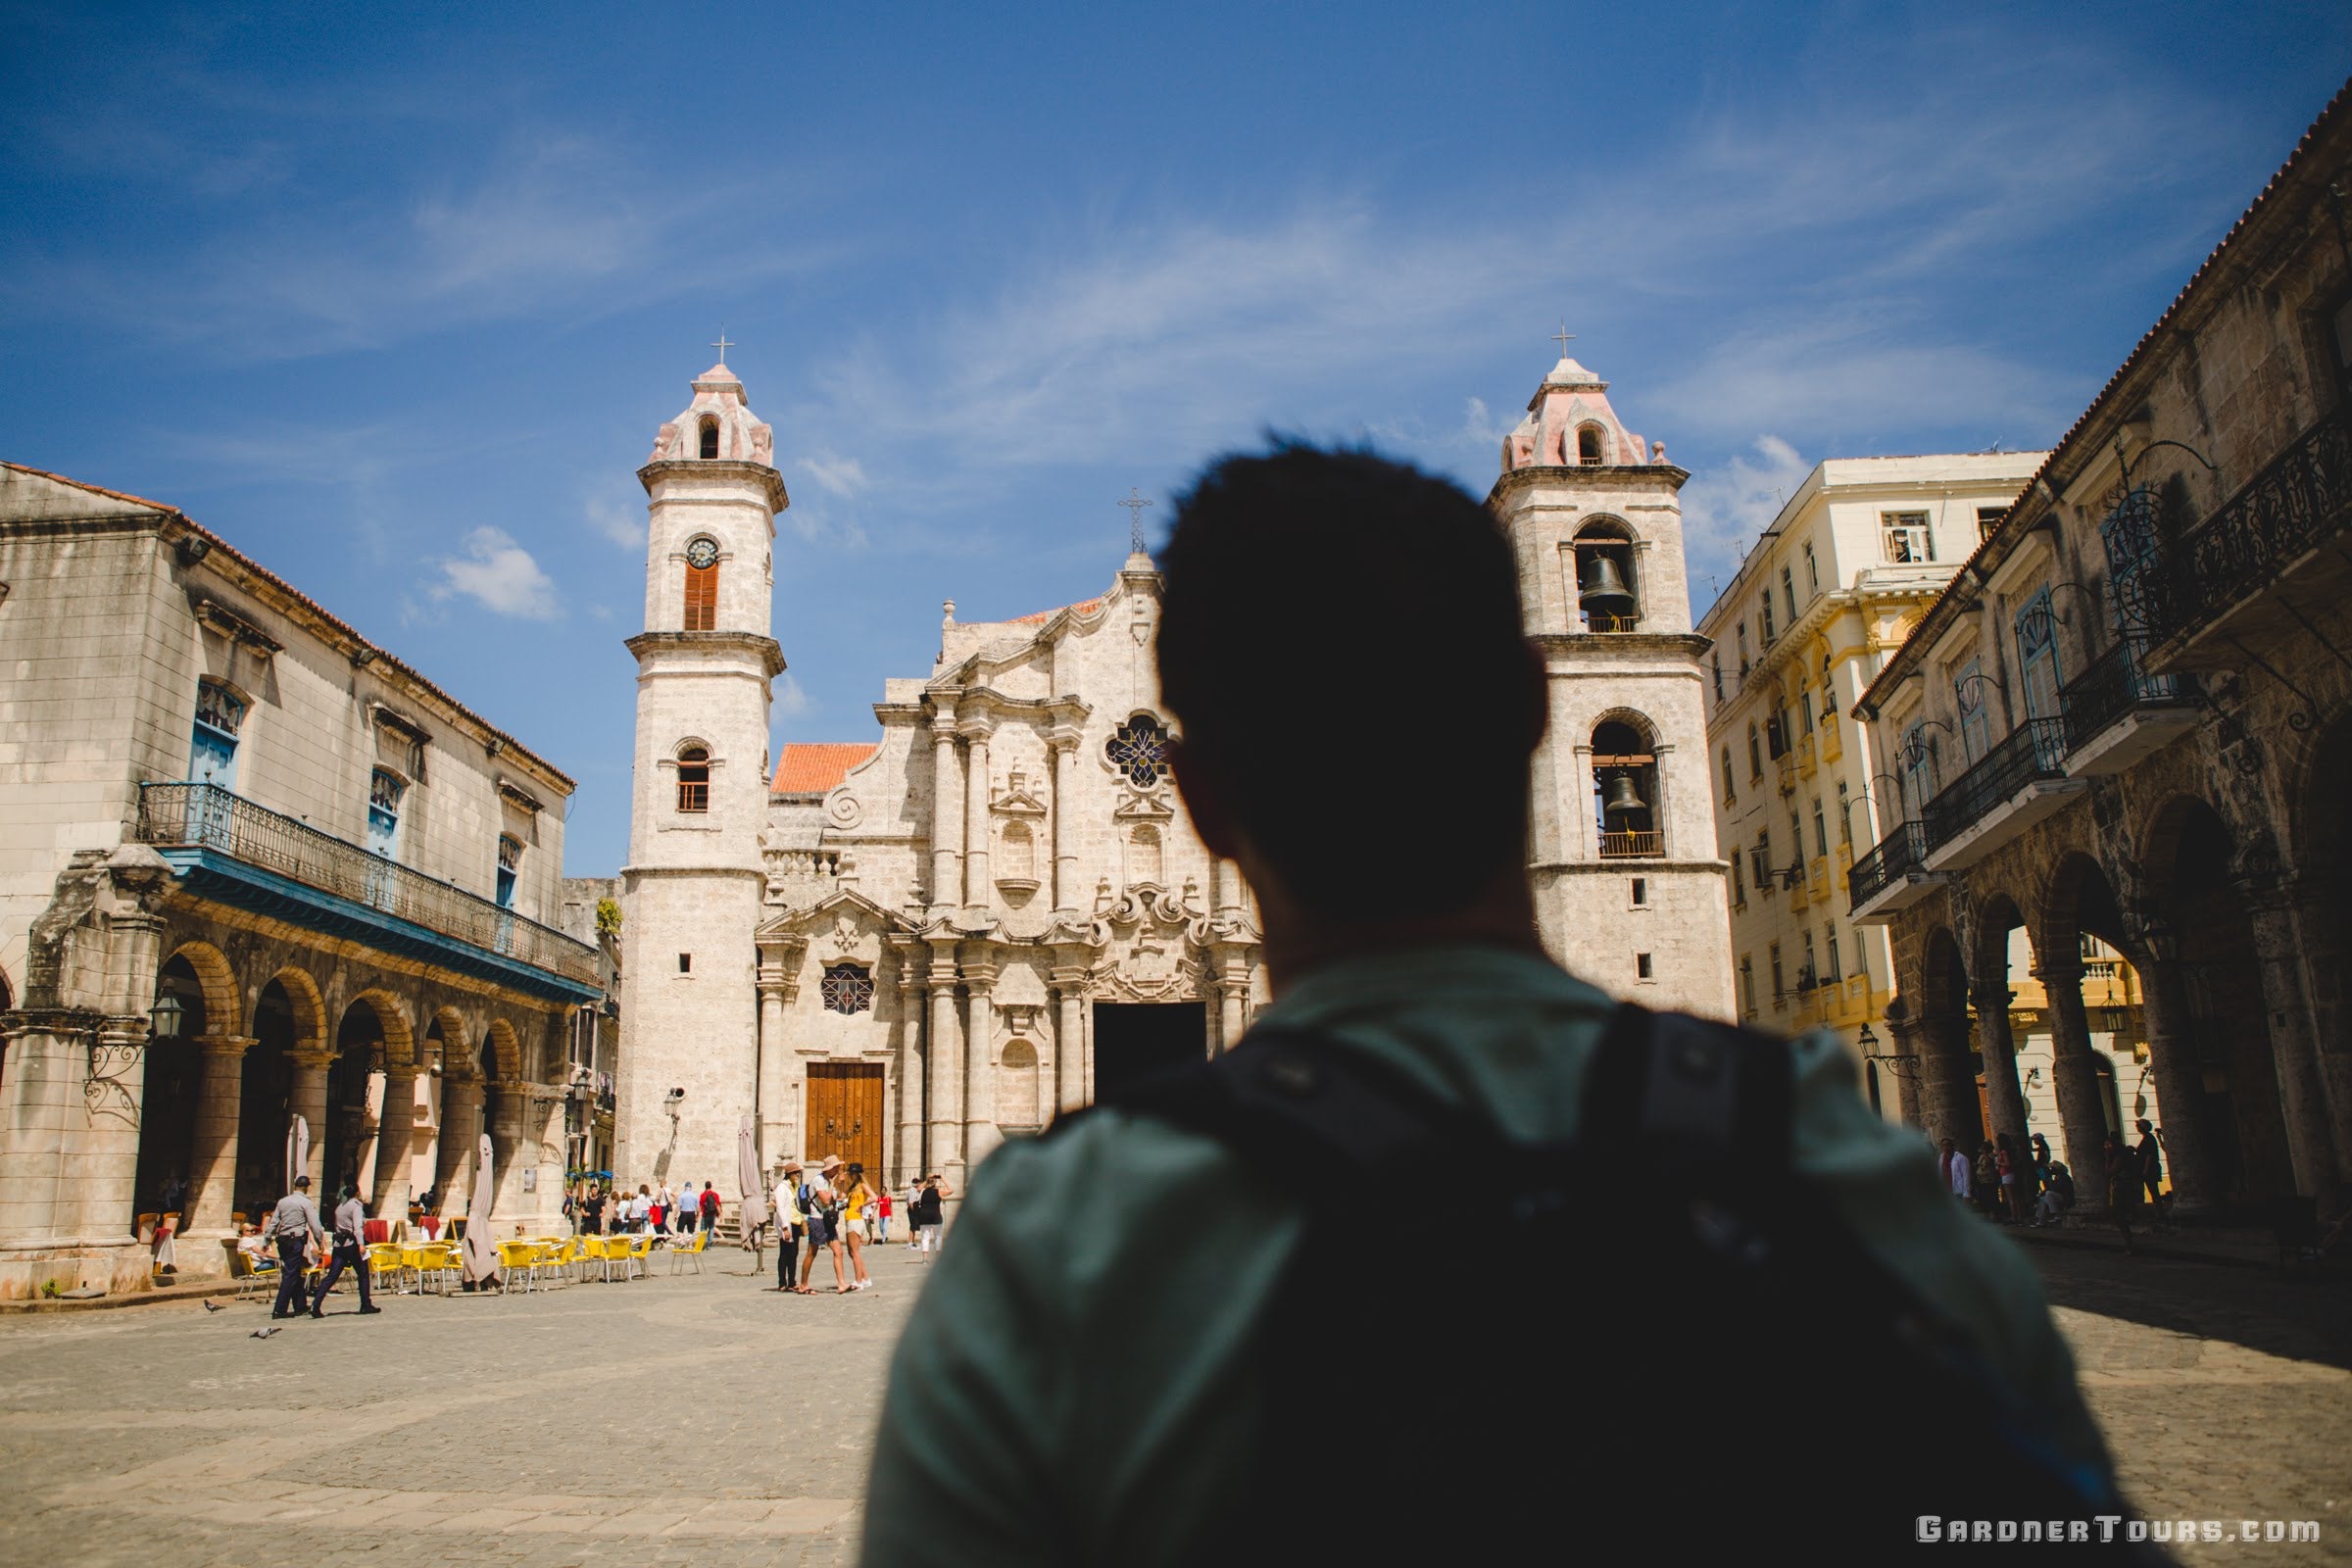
(350, 1251)
(1955, 1170)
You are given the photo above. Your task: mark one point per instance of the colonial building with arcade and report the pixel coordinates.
(906, 950)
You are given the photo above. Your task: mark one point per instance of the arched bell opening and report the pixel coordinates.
(1607, 594)
(1625, 792)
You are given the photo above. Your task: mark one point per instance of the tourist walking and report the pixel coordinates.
(824, 1223)
(792, 1225)
(914, 1193)
(657, 1214)
(856, 1198)
(293, 1226)
(882, 1215)
(2148, 1155)
(2122, 1186)
(2005, 1162)
(350, 1251)
(591, 1210)
(926, 1216)
(710, 1202)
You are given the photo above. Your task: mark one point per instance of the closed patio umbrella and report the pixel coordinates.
(481, 1251)
(747, 1175)
(298, 1148)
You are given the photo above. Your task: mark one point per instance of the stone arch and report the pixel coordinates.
(454, 1032)
(1631, 822)
(1605, 546)
(1592, 444)
(215, 978)
(392, 1020)
(308, 1006)
(506, 1047)
(1943, 975)
(1020, 1101)
(2078, 899)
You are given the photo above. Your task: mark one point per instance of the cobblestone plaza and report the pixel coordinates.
(704, 1419)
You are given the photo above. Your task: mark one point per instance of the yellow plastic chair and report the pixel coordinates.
(679, 1255)
(518, 1257)
(639, 1250)
(596, 1249)
(383, 1257)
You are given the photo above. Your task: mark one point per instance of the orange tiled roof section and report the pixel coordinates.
(813, 767)
(297, 596)
(1044, 615)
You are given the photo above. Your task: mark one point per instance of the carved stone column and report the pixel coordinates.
(2179, 1091)
(2075, 1075)
(543, 1147)
(947, 812)
(103, 1163)
(2294, 1040)
(1069, 1037)
(308, 1100)
(395, 1142)
(977, 894)
(1233, 996)
(907, 1156)
(980, 1133)
(779, 1105)
(460, 1128)
(48, 1057)
(2004, 1101)
(1903, 1034)
(943, 1103)
(508, 1156)
(1065, 831)
(213, 1157)
(1948, 1090)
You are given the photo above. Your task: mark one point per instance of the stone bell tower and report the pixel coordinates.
(1629, 893)
(690, 893)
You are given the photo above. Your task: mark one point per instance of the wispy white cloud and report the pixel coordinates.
(498, 574)
(844, 476)
(1726, 509)
(616, 518)
(791, 702)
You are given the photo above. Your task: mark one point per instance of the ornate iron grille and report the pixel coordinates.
(2283, 512)
(2035, 750)
(847, 988)
(2109, 689)
(207, 816)
(1895, 855)
(1139, 749)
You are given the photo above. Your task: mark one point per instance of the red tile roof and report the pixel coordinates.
(262, 573)
(1044, 615)
(813, 767)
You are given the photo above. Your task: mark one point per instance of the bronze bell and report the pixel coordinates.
(1603, 591)
(1621, 797)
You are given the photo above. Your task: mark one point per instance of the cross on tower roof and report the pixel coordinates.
(1563, 337)
(722, 345)
(1134, 505)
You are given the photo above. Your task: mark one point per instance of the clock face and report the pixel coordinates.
(701, 553)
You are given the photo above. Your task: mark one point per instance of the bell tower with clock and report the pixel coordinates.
(691, 891)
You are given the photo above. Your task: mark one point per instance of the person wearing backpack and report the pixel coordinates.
(1169, 1332)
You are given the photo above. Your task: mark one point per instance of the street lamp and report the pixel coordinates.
(165, 1020)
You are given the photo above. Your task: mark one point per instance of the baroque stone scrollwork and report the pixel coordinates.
(1150, 943)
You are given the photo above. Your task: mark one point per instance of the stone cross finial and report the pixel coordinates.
(1563, 337)
(722, 345)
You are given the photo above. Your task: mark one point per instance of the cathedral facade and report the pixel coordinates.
(904, 950)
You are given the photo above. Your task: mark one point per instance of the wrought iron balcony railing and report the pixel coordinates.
(1894, 857)
(2109, 689)
(2303, 498)
(1596, 621)
(1632, 845)
(2035, 750)
(207, 816)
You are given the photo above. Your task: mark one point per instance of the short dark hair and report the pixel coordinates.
(302, 1181)
(1337, 624)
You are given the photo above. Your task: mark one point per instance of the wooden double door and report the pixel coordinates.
(846, 1116)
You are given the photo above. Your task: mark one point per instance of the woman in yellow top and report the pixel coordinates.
(855, 1199)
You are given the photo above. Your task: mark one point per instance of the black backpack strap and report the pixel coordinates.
(1672, 1090)
(1286, 1096)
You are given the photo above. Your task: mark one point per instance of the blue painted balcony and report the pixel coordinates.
(226, 848)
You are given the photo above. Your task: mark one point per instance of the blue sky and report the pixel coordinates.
(396, 305)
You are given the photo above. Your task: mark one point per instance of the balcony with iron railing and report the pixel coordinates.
(2011, 787)
(227, 847)
(1892, 874)
(1596, 621)
(2198, 601)
(2115, 713)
